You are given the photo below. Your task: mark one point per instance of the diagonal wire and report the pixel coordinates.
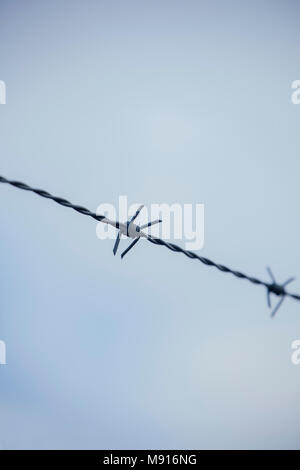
(59, 200)
(208, 262)
(151, 239)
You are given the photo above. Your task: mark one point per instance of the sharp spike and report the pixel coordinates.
(271, 274)
(129, 248)
(158, 221)
(117, 244)
(268, 299)
(136, 214)
(277, 306)
(288, 281)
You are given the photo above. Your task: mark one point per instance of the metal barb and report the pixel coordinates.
(277, 289)
(132, 230)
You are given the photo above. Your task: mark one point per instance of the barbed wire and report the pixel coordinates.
(126, 228)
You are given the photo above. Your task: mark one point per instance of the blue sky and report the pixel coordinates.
(186, 102)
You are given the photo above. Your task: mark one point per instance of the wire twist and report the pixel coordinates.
(58, 200)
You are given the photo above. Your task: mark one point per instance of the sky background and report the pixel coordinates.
(162, 101)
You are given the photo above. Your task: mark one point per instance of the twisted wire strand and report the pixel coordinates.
(150, 238)
(208, 262)
(58, 200)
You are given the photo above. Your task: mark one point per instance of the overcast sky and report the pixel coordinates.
(164, 102)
